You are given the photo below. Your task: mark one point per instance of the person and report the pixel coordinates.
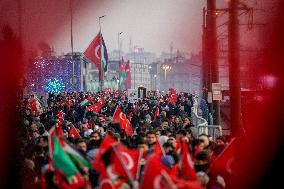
(151, 141)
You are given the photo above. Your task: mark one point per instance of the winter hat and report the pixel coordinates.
(168, 161)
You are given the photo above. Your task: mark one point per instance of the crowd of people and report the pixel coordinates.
(80, 132)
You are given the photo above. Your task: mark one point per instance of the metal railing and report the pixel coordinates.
(213, 130)
(201, 124)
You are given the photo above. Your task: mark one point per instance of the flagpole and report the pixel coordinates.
(139, 165)
(72, 49)
(102, 71)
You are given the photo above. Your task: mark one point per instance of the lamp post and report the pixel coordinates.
(166, 68)
(118, 43)
(155, 77)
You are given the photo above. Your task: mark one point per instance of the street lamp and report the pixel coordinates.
(155, 77)
(166, 68)
(118, 43)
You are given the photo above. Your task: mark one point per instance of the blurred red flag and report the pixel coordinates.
(225, 162)
(73, 133)
(187, 166)
(155, 175)
(157, 112)
(94, 108)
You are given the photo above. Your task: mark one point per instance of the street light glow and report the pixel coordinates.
(166, 68)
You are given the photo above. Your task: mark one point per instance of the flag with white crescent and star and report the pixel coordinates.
(98, 55)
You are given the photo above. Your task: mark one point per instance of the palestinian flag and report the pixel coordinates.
(85, 103)
(77, 158)
(122, 72)
(63, 162)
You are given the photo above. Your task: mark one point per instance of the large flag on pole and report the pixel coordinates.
(98, 55)
(122, 72)
(127, 82)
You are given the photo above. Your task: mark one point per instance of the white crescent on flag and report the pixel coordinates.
(157, 182)
(96, 51)
(122, 116)
(106, 182)
(129, 163)
(229, 165)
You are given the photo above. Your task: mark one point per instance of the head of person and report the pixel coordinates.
(202, 161)
(164, 124)
(204, 140)
(142, 144)
(43, 141)
(151, 138)
(172, 141)
(81, 145)
(186, 121)
(177, 120)
(95, 136)
(168, 147)
(168, 161)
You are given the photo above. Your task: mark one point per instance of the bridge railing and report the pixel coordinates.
(202, 125)
(213, 130)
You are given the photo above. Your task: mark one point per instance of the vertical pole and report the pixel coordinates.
(234, 67)
(71, 35)
(204, 62)
(101, 77)
(212, 55)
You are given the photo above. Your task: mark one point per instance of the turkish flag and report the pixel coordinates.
(105, 145)
(129, 160)
(94, 108)
(155, 175)
(125, 124)
(93, 52)
(225, 163)
(187, 167)
(73, 133)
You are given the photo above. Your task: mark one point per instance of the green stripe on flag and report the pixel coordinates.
(63, 162)
(77, 158)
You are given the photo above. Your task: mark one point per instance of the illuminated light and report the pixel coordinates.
(269, 81)
(216, 13)
(42, 70)
(54, 86)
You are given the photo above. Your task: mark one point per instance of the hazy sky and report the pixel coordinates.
(151, 24)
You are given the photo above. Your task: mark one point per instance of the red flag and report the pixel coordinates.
(105, 145)
(93, 53)
(73, 133)
(127, 82)
(130, 158)
(94, 108)
(178, 146)
(157, 112)
(155, 176)
(187, 167)
(125, 124)
(173, 98)
(225, 162)
(60, 116)
(158, 149)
